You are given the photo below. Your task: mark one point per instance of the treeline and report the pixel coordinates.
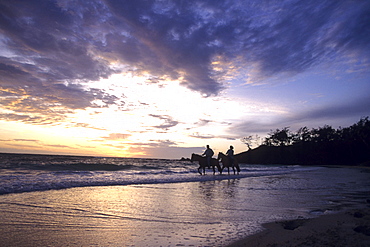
(321, 146)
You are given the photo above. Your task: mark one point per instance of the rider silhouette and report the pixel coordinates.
(208, 153)
(230, 154)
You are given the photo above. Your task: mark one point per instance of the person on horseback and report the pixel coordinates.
(230, 155)
(208, 153)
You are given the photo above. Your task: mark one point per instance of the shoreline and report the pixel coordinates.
(204, 213)
(347, 228)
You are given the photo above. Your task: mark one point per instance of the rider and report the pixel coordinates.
(230, 154)
(208, 153)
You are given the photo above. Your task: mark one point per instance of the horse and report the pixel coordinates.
(203, 163)
(226, 163)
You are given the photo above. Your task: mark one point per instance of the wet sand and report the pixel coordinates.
(351, 228)
(179, 214)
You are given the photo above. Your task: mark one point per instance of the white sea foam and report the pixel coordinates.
(27, 173)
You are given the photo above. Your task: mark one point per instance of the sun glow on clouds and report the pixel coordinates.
(165, 78)
(148, 119)
(161, 113)
(153, 117)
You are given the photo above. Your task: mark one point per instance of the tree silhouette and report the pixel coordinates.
(251, 141)
(324, 145)
(279, 137)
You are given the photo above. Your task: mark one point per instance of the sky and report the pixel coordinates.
(162, 78)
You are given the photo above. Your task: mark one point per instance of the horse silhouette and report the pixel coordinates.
(203, 163)
(226, 163)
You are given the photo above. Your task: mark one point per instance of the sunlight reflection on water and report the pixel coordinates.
(209, 213)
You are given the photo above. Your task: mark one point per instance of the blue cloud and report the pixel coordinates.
(63, 41)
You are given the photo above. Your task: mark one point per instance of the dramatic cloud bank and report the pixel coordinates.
(51, 50)
(53, 45)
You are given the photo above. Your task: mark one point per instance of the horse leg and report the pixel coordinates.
(219, 168)
(234, 170)
(214, 171)
(228, 170)
(238, 168)
(199, 170)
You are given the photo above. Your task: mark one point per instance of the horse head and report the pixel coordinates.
(220, 156)
(195, 157)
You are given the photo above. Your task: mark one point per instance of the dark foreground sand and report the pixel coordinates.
(347, 229)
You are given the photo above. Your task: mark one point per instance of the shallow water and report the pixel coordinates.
(213, 212)
(27, 173)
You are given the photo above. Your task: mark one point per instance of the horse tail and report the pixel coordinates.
(237, 165)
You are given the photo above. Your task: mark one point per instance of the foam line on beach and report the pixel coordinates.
(80, 179)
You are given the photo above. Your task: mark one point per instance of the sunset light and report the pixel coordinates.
(124, 84)
(184, 122)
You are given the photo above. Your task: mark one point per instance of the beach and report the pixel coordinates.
(349, 228)
(167, 203)
(166, 215)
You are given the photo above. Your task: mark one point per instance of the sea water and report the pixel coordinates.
(86, 201)
(27, 173)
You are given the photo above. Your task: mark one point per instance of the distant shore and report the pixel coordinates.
(304, 154)
(350, 228)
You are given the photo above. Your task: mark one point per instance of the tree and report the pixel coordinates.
(324, 145)
(279, 137)
(303, 135)
(362, 131)
(251, 141)
(247, 141)
(324, 134)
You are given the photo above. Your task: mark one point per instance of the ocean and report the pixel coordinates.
(54, 200)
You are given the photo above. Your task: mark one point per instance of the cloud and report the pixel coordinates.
(85, 125)
(172, 37)
(116, 136)
(60, 146)
(38, 120)
(209, 136)
(182, 39)
(162, 148)
(48, 58)
(156, 149)
(19, 140)
(51, 50)
(168, 121)
(25, 140)
(202, 136)
(335, 113)
(357, 107)
(34, 144)
(203, 122)
(50, 103)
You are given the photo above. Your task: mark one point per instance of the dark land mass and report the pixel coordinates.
(305, 154)
(322, 146)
